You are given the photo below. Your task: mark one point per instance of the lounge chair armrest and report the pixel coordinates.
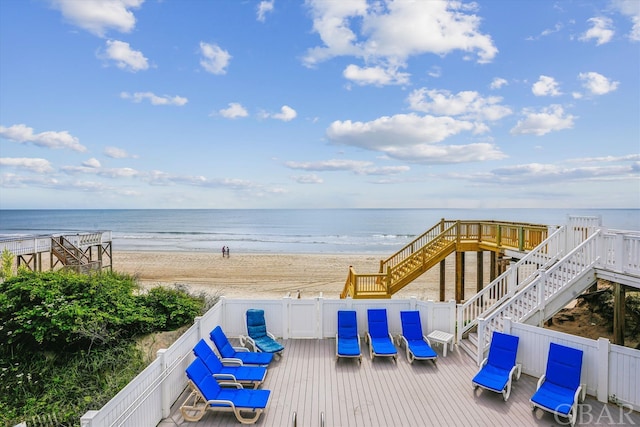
(402, 341)
(221, 402)
(270, 335)
(232, 361)
(229, 377)
(540, 381)
(248, 341)
(241, 349)
(230, 384)
(518, 371)
(578, 396)
(484, 362)
(424, 337)
(367, 337)
(515, 371)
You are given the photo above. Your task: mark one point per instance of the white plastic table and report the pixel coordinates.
(443, 338)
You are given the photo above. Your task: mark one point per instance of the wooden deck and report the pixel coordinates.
(309, 382)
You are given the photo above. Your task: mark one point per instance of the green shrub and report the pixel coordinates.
(6, 264)
(67, 342)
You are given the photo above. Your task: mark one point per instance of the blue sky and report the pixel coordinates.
(319, 104)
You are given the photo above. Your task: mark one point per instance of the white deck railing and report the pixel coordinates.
(147, 399)
(610, 372)
(42, 243)
(544, 288)
(509, 282)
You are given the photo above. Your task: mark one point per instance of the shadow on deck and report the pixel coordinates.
(309, 381)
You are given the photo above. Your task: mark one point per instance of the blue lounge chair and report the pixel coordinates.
(347, 338)
(417, 345)
(207, 394)
(500, 367)
(259, 338)
(559, 389)
(380, 340)
(231, 354)
(251, 376)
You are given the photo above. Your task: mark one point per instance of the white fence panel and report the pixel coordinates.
(125, 409)
(624, 376)
(303, 318)
(533, 351)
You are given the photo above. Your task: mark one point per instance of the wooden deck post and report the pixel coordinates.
(619, 302)
(493, 268)
(459, 276)
(442, 279)
(479, 270)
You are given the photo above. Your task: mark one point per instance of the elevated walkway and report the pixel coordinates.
(81, 252)
(435, 245)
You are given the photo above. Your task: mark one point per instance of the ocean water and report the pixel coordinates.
(277, 230)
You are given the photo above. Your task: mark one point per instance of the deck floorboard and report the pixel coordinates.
(310, 382)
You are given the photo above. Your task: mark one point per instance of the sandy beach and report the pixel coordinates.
(275, 275)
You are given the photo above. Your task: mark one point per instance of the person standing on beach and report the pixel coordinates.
(227, 251)
(224, 251)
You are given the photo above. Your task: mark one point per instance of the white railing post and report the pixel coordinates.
(165, 401)
(506, 325)
(481, 324)
(512, 281)
(412, 303)
(618, 247)
(602, 391)
(197, 322)
(542, 284)
(452, 317)
(320, 311)
(87, 419)
(286, 317)
(460, 322)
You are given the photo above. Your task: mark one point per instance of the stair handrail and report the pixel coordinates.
(77, 254)
(416, 244)
(535, 296)
(450, 233)
(506, 284)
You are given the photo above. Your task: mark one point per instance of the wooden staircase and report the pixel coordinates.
(71, 257)
(434, 246)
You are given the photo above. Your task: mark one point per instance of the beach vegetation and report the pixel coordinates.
(6, 264)
(68, 339)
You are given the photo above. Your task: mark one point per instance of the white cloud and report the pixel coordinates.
(630, 8)
(377, 76)
(92, 163)
(49, 139)
(498, 82)
(466, 104)
(98, 16)
(597, 84)
(30, 164)
(117, 153)
(600, 30)
(546, 86)
(538, 173)
(214, 59)
(413, 138)
(308, 179)
(286, 114)
(263, 8)
(549, 119)
(154, 99)
(358, 167)
(124, 57)
(234, 111)
(387, 34)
